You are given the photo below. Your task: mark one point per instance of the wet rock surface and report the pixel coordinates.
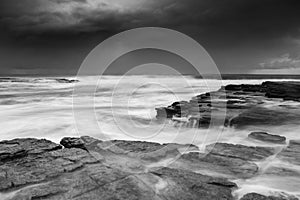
(255, 196)
(249, 153)
(49, 171)
(227, 160)
(266, 137)
(123, 170)
(120, 169)
(213, 164)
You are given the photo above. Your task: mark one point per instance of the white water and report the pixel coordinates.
(125, 109)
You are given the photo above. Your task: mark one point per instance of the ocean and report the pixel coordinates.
(124, 109)
(42, 107)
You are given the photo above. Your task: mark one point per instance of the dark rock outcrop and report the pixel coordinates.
(244, 106)
(266, 137)
(69, 142)
(261, 116)
(284, 90)
(64, 80)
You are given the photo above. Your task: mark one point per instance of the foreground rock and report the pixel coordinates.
(88, 168)
(93, 169)
(266, 137)
(237, 105)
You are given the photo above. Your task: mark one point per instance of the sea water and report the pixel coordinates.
(124, 109)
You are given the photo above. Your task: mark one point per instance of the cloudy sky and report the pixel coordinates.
(52, 37)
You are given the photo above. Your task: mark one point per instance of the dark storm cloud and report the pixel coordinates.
(235, 29)
(232, 17)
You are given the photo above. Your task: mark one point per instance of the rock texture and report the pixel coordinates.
(266, 137)
(40, 169)
(19, 148)
(87, 168)
(236, 105)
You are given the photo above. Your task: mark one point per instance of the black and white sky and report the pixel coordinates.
(52, 37)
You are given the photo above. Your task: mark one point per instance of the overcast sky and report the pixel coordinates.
(52, 37)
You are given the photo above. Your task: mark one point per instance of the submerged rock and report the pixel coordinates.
(291, 153)
(255, 196)
(249, 153)
(266, 137)
(225, 160)
(216, 165)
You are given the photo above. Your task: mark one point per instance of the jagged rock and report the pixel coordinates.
(266, 137)
(255, 196)
(18, 148)
(69, 142)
